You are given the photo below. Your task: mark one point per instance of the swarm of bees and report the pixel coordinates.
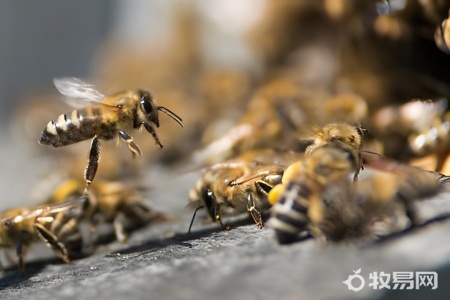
(325, 143)
(58, 222)
(339, 129)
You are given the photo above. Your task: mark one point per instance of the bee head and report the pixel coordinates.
(150, 109)
(210, 202)
(330, 162)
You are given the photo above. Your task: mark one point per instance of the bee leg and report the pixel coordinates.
(131, 145)
(20, 254)
(410, 210)
(321, 240)
(441, 157)
(152, 131)
(254, 213)
(52, 241)
(119, 230)
(218, 218)
(66, 227)
(92, 166)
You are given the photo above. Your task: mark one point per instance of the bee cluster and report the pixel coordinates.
(342, 129)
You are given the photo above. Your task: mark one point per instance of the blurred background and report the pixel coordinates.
(114, 44)
(249, 74)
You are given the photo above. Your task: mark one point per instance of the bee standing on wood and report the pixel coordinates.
(56, 225)
(241, 185)
(110, 202)
(316, 195)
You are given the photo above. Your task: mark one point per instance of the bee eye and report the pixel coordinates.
(146, 103)
(209, 198)
(322, 169)
(7, 223)
(349, 156)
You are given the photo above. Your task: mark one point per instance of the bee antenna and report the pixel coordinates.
(372, 153)
(193, 218)
(171, 114)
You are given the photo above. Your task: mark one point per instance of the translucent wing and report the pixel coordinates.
(74, 206)
(78, 92)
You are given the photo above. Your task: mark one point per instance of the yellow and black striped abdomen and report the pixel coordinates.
(289, 215)
(77, 126)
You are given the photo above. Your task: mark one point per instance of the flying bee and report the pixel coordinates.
(56, 225)
(316, 195)
(240, 185)
(342, 135)
(102, 118)
(110, 202)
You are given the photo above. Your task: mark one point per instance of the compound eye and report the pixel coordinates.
(209, 198)
(322, 170)
(349, 156)
(146, 103)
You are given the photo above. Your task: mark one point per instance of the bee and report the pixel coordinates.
(420, 127)
(345, 107)
(241, 185)
(298, 200)
(110, 202)
(343, 135)
(274, 114)
(316, 195)
(102, 118)
(56, 225)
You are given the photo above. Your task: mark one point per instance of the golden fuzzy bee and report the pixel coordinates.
(102, 118)
(272, 118)
(240, 185)
(110, 202)
(56, 225)
(417, 128)
(298, 200)
(342, 135)
(317, 195)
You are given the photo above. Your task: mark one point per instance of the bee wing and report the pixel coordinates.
(265, 171)
(78, 92)
(77, 205)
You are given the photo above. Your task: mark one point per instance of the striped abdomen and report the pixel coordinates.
(77, 126)
(289, 216)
